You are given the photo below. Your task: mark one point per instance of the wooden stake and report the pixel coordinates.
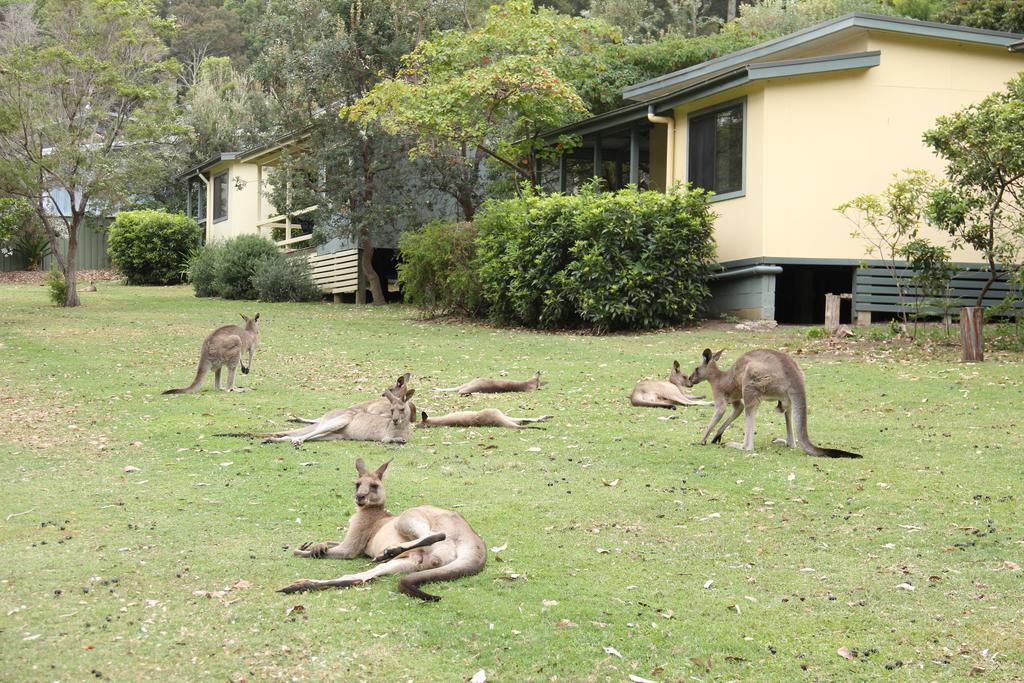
(831, 313)
(972, 319)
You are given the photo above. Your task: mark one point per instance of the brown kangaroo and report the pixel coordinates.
(378, 406)
(432, 543)
(496, 386)
(756, 376)
(488, 417)
(656, 394)
(224, 347)
(355, 425)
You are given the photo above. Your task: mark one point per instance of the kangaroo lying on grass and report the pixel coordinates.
(756, 376)
(224, 347)
(496, 386)
(656, 394)
(353, 424)
(378, 406)
(488, 417)
(432, 543)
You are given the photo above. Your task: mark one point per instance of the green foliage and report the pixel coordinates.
(816, 333)
(238, 262)
(202, 269)
(15, 215)
(779, 17)
(622, 260)
(32, 245)
(438, 271)
(933, 272)
(57, 287)
(151, 247)
(285, 279)
(886, 223)
(997, 15)
(984, 152)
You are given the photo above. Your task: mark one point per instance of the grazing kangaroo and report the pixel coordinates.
(656, 394)
(432, 543)
(756, 376)
(496, 386)
(355, 425)
(378, 406)
(224, 347)
(488, 417)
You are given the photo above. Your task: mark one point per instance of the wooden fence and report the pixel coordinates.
(875, 290)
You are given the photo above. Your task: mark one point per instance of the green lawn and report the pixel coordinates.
(693, 563)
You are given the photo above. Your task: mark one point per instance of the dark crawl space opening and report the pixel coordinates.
(800, 293)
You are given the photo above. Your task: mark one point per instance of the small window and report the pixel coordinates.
(220, 196)
(716, 151)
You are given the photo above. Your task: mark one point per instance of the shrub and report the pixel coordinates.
(610, 260)
(57, 286)
(237, 264)
(151, 247)
(285, 279)
(32, 244)
(202, 269)
(438, 271)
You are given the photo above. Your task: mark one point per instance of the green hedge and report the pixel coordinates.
(151, 247)
(438, 272)
(250, 267)
(609, 260)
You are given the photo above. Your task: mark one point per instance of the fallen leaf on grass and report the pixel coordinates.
(845, 653)
(613, 652)
(479, 677)
(550, 603)
(667, 613)
(701, 664)
(295, 609)
(976, 671)
(906, 587)
(709, 583)
(499, 548)
(640, 679)
(613, 482)
(131, 468)
(565, 623)
(242, 583)
(792, 476)
(1012, 566)
(734, 658)
(602, 551)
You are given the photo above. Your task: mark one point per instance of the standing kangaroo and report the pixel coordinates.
(756, 376)
(432, 543)
(496, 386)
(224, 347)
(657, 394)
(488, 417)
(355, 425)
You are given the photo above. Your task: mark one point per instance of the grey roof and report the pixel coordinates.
(663, 85)
(1017, 47)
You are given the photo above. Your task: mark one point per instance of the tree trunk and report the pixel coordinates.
(71, 264)
(730, 11)
(372, 279)
(972, 320)
(831, 314)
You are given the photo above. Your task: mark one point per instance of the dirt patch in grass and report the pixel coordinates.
(36, 277)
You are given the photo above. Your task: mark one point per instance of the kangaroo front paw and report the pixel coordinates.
(314, 550)
(389, 554)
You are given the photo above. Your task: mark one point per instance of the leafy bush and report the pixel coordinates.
(611, 260)
(151, 247)
(15, 215)
(285, 279)
(57, 286)
(239, 259)
(32, 244)
(438, 271)
(202, 269)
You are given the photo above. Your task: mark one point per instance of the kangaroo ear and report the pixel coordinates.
(675, 365)
(718, 355)
(382, 469)
(400, 382)
(409, 394)
(360, 467)
(244, 317)
(707, 355)
(423, 415)
(256, 317)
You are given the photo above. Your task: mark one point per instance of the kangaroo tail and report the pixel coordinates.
(302, 420)
(470, 559)
(204, 367)
(799, 407)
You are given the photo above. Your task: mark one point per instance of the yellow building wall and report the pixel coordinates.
(836, 136)
(738, 229)
(246, 206)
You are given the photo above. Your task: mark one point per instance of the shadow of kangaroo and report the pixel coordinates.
(482, 385)
(429, 543)
(224, 348)
(658, 394)
(756, 376)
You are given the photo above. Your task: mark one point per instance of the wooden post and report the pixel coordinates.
(634, 155)
(863, 318)
(831, 313)
(972, 320)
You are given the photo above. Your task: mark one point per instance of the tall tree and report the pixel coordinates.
(86, 111)
(206, 28)
(997, 15)
(492, 92)
(318, 57)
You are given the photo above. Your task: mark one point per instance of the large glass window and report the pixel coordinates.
(716, 150)
(220, 196)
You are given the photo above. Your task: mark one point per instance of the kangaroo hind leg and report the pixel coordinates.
(415, 527)
(400, 565)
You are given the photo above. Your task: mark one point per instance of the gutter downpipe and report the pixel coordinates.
(670, 144)
(744, 272)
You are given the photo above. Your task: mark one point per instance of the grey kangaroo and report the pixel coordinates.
(482, 385)
(355, 425)
(488, 417)
(429, 543)
(378, 406)
(657, 394)
(755, 376)
(224, 348)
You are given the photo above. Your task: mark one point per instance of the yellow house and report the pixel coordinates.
(785, 131)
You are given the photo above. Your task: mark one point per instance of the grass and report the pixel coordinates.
(693, 563)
